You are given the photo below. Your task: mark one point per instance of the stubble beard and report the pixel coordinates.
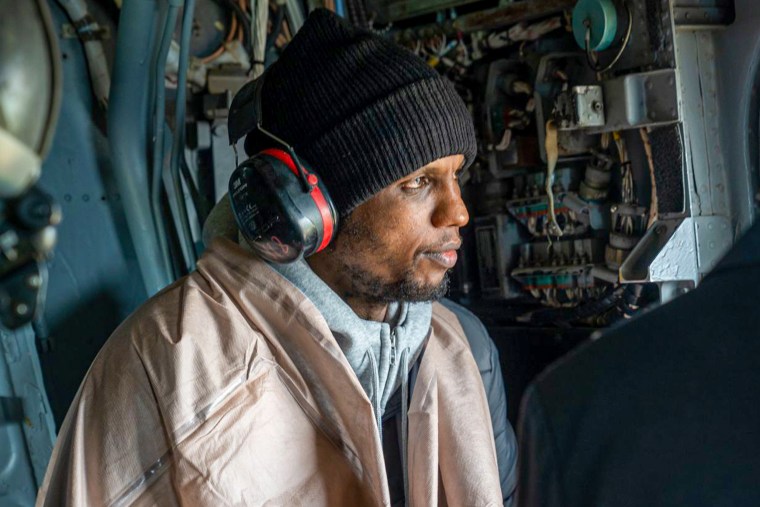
(406, 289)
(357, 241)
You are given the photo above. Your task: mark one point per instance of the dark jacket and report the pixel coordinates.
(663, 411)
(487, 358)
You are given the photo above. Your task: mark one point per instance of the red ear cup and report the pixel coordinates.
(316, 193)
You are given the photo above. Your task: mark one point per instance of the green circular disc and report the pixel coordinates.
(602, 17)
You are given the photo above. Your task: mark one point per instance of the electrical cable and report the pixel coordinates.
(159, 113)
(178, 145)
(626, 39)
(286, 31)
(563, 317)
(229, 38)
(625, 164)
(244, 22)
(260, 16)
(650, 162)
(552, 155)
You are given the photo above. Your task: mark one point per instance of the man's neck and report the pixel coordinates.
(364, 309)
(341, 285)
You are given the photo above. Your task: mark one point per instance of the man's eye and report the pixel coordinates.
(416, 183)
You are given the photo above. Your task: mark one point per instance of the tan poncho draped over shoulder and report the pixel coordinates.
(227, 388)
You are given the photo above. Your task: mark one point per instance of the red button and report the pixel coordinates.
(312, 180)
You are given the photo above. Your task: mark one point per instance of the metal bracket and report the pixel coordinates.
(638, 100)
(679, 249)
(704, 13)
(636, 267)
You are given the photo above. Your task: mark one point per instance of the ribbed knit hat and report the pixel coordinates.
(360, 109)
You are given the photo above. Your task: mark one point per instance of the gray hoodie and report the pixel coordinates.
(379, 352)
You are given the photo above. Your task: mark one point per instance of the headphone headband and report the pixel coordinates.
(249, 116)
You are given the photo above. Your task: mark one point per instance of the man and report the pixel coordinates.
(663, 411)
(329, 381)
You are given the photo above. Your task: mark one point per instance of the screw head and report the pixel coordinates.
(34, 281)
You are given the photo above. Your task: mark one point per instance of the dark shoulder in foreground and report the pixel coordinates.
(663, 410)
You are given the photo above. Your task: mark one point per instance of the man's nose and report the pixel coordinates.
(451, 211)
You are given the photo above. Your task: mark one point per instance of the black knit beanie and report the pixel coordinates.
(360, 109)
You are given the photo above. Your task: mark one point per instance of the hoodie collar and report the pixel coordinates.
(373, 349)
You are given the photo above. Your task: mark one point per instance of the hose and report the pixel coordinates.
(159, 112)
(129, 122)
(178, 146)
(89, 31)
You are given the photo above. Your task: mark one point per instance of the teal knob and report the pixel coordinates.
(598, 15)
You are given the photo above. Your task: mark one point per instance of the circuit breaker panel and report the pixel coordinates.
(599, 172)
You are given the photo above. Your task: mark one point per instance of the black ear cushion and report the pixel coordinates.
(279, 219)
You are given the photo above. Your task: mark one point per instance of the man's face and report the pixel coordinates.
(400, 244)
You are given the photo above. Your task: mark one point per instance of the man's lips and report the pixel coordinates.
(446, 256)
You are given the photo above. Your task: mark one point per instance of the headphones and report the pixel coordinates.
(280, 204)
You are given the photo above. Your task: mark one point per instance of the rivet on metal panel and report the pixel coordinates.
(34, 281)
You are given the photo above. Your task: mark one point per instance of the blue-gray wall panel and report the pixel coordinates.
(95, 281)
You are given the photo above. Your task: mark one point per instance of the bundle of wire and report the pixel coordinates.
(250, 32)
